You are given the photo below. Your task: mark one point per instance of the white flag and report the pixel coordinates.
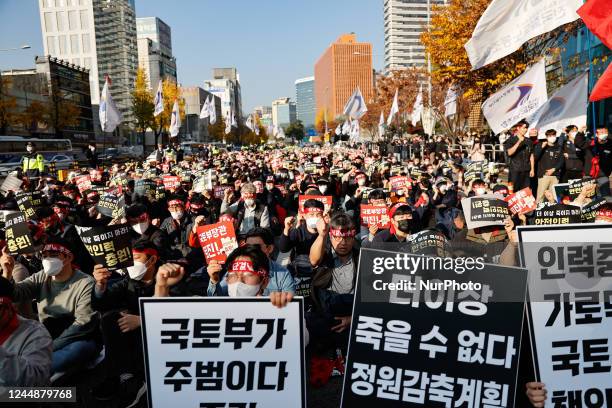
(249, 123)
(346, 127)
(110, 117)
(519, 99)
(228, 122)
(234, 123)
(159, 99)
(381, 124)
(355, 130)
(450, 102)
(507, 24)
(394, 109)
(256, 128)
(417, 108)
(212, 112)
(355, 107)
(338, 130)
(281, 133)
(205, 112)
(175, 119)
(568, 106)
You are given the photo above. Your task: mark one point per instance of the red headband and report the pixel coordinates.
(245, 266)
(175, 202)
(57, 248)
(312, 210)
(605, 213)
(342, 232)
(148, 251)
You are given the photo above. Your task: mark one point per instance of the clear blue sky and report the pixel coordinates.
(271, 42)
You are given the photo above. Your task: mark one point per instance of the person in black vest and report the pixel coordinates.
(574, 156)
(249, 212)
(550, 161)
(520, 154)
(598, 158)
(176, 226)
(140, 220)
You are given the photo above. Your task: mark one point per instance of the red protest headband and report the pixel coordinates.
(312, 210)
(342, 232)
(57, 248)
(175, 202)
(147, 251)
(245, 266)
(605, 213)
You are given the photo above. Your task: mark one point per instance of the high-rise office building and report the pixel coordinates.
(405, 20)
(194, 128)
(305, 101)
(283, 112)
(155, 50)
(345, 65)
(226, 85)
(98, 35)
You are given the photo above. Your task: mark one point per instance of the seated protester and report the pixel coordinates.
(445, 195)
(25, 345)
(334, 260)
(176, 225)
(279, 278)
(249, 213)
(120, 321)
(479, 187)
(63, 297)
(449, 221)
(401, 225)
(299, 236)
(376, 197)
(139, 218)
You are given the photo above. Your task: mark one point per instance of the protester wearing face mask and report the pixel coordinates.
(479, 187)
(92, 156)
(574, 156)
(25, 345)
(175, 226)
(33, 163)
(519, 150)
(139, 219)
(250, 213)
(401, 225)
(120, 323)
(63, 296)
(550, 161)
(445, 195)
(598, 158)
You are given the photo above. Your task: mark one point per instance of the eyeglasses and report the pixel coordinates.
(244, 277)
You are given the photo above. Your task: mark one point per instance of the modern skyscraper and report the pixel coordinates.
(196, 129)
(99, 35)
(283, 112)
(226, 85)
(305, 101)
(155, 50)
(345, 65)
(405, 20)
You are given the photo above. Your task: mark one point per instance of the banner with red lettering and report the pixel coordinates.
(326, 200)
(83, 183)
(375, 214)
(521, 202)
(217, 240)
(399, 182)
(171, 182)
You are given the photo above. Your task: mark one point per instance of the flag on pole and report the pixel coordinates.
(355, 131)
(346, 127)
(281, 133)
(508, 24)
(205, 112)
(256, 128)
(519, 99)
(234, 123)
(355, 107)
(567, 106)
(381, 124)
(394, 109)
(338, 130)
(450, 102)
(175, 119)
(417, 109)
(603, 87)
(110, 117)
(159, 99)
(249, 123)
(212, 112)
(597, 15)
(228, 123)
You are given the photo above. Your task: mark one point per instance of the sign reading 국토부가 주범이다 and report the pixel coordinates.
(223, 352)
(570, 310)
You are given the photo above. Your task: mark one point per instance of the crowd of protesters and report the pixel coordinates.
(59, 310)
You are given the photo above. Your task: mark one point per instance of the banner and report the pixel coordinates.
(428, 335)
(110, 246)
(575, 187)
(223, 352)
(555, 214)
(521, 202)
(519, 99)
(506, 25)
(485, 210)
(375, 214)
(567, 105)
(83, 182)
(17, 234)
(217, 240)
(171, 182)
(570, 310)
(28, 201)
(219, 191)
(326, 200)
(400, 182)
(429, 242)
(111, 205)
(589, 211)
(10, 183)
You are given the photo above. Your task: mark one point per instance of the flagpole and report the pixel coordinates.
(591, 78)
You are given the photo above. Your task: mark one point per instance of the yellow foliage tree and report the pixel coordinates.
(33, 116)
(171, 93)
(142, 103)
(321, 116)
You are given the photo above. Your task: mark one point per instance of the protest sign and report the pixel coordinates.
(396, 170)
(429, 242)
(575, 187)
(561, 192)
(570, 310)
(83, 182)
(171, 182)
(555, 214)
(111, 205)
(10, 183)
(28, 201)
(375, 215)
(252, 351)
(145, 188)
(310, 168)
(17, 234)
(399, 182)
(521, 202)
(5, 213)
(110, 246)
(217, 240)
(589, 211)
(203, 182)
(484, 210)
(219, 191)
(416, 341)
(326, 200)
(416, 173)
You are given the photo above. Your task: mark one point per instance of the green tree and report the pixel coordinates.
(295, 130)
(142, 104)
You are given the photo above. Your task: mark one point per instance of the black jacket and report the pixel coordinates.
(549, 157)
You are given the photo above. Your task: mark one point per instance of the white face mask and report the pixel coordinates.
(603, 137)
(572, 135)
(551, 140)
(361, 182)
(240, 289)
(400, 192)
(177, 215)
(52, 266)
(29, 149)
(137, 271)
(312, 222)
(141, 227)
(323, 189)
(249, 202)
(481, 191)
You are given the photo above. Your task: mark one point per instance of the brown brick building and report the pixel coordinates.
(345, 65)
